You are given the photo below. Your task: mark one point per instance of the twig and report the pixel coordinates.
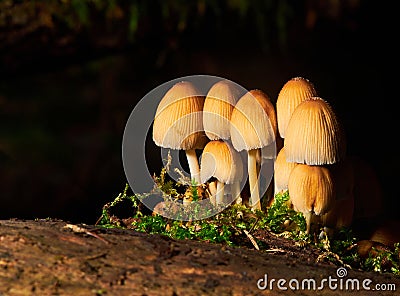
(78, 229)
(251, 238)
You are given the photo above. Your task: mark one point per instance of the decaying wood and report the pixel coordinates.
(53, 257)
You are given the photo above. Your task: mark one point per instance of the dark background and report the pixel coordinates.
(72, 71)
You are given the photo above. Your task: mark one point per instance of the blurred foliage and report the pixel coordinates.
(19, 18)
(33, 30)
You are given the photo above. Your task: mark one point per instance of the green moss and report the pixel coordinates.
(235, 224)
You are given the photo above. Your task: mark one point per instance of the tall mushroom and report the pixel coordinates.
(178, 123)
(221, 161)
(251, 130)
(293, 92)
(314, 135)
(311, 190)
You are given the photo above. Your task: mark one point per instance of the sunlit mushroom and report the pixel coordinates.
(293, 92)
(314, 135)
(178, 123)
(218, 107)
(221, 161)
(251, 129)
(311, 190)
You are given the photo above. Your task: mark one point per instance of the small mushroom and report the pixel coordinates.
(311, 191)
(314, 135)
(293, 92)
(387, 233)
(218, 107)
(368, 193)
(178, 123)
(221, 161)
(282, 170)
(342, 212)
(251, 129)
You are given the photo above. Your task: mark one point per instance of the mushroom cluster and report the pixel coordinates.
(221, 123)
(312, 164)
(302, 138)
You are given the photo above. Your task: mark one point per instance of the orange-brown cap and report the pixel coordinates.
(253, 121)
(178, 123)
(314, 135)
(293, 92)
(221, 161)
(311, 189)
(218, 107)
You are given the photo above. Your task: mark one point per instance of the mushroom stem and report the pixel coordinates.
(253, 179)
(212, 186)
(194, 166)
(220, 193)
(235, 192)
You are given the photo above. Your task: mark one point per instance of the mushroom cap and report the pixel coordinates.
(282, 170)
(293, 92)
(314, 135)
(253, 121)
(218, 107)
(221, 161)
(311, 189)
(178, 123)
(388, 233)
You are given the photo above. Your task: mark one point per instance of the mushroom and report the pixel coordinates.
(314, 135)
(311, 190)
(221, 161)
(293, 92)
(368, 196)
(178, 123)
(218, 107)
(251, 129)
(282, 170)
(342, 212)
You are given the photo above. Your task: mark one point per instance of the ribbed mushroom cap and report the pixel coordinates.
(178, 123)
(311, 189)
(221, 161)
(218, 107)
(293, 92)
(282, 170)
(253, 121)
(314, 135)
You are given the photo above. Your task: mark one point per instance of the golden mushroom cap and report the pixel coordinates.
(218, 107)
(314, 135)
(282, 170)
(221, 161)
(178, 123)
(293, 92)
(253, 121)
(311, 189)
